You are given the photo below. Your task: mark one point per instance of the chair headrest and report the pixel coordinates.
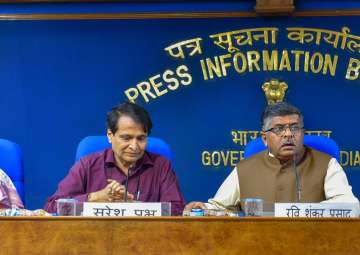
(320, 143)
(92, 144)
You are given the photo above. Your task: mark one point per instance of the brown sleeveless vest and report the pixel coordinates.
(262, 176)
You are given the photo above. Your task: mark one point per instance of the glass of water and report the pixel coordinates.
(253, 207)
(66, 207)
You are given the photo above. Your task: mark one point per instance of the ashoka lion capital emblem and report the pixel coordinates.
(274, 91)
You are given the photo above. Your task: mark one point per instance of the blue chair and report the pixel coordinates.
(93, 144)
(11, 162)
(320, 143)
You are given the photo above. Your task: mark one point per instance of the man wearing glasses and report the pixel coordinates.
(101, 176)
(270, 174)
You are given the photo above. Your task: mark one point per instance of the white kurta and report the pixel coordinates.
(336, 187)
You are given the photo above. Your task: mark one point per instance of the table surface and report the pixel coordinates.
(179, 235)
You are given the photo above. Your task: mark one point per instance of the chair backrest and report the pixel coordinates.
(11, 162)
(320, 143)
(91, 144)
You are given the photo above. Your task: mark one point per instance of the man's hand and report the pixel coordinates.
(113, 192)
(192, 205)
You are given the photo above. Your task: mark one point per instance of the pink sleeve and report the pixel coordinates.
(9, 198)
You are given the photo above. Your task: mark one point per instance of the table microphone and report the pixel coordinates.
(297, 177)
(127, 183)
(297, 181)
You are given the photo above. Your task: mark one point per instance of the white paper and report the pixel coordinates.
(121, 209)
(317, 210)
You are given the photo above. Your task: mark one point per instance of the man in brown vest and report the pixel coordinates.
(270, 175)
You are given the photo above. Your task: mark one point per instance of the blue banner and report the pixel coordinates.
(200, 79)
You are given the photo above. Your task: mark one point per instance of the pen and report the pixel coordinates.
(138, 195)
(138, 189)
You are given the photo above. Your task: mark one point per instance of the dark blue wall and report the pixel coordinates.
(59, 78)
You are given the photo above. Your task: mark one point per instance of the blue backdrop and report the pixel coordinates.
(59, 78)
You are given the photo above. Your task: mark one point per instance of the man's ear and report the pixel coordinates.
(109, 135)
(263, 137)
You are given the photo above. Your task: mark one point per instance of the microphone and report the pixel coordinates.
(297, 181)
(297, 176)
(127, 183)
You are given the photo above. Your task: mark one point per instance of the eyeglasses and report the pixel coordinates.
(281, 129)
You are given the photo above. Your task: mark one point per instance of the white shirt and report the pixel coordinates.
(336, 187)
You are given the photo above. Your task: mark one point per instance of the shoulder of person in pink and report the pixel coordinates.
(9, 197)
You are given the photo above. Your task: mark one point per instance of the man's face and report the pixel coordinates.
(285, 136)
(128, 142)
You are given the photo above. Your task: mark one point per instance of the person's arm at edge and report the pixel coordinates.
(72, 186)
(228, 195)
(170, 189)
(336, 185)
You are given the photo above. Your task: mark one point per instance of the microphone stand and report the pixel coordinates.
(297, 176)
(297, 181)
(127, 184)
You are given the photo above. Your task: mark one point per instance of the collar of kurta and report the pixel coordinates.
(272, 160)
(145, 160)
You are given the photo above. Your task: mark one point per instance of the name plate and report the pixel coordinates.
(317, 210)
(121, 209)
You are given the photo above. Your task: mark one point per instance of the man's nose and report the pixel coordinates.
(134, 144)
(287, 132)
